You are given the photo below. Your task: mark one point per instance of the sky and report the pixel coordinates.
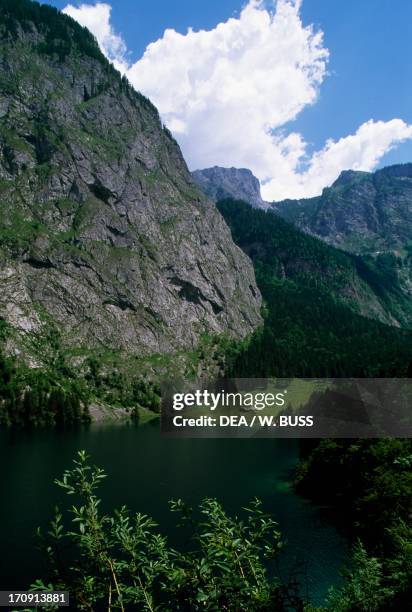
(295, 90)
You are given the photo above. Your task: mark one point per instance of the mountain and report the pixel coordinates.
(105, 239)
(362, 212)
(314, 298)
(368, 289)
(238, 183)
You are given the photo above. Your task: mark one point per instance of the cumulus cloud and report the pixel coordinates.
(97, 19)
(228, 95)
(360, 151)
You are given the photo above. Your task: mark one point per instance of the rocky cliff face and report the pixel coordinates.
(238, 183)
(369, 214)
(361, 212)
(103, 232)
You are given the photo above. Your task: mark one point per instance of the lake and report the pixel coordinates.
(145, 470)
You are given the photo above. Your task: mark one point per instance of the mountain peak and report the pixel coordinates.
(371, 214)
(347, 177)
(239, 183)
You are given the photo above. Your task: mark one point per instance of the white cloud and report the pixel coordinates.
(360, 151)
(97, 19)
(228, 94)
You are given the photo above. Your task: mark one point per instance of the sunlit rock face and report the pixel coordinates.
(103, 232)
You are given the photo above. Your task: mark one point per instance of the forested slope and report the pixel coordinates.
(314, 296)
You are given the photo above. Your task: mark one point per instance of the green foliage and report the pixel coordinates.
(377, 583)
(44, 396)
(62, 37)
(364, 589)
(309, 329)
(58, 394)
(398, 563)
(121, 562)
(369, 481)
(20, 233)
(295, 255)
(368, 484)
(117, 389)
(34, 397)
(61, 32)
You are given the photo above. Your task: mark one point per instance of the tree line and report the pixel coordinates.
(37, 397)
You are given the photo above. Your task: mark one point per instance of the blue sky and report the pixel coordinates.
(370, 42)
(367, 77)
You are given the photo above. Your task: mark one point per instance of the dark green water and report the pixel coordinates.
(145, 471)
